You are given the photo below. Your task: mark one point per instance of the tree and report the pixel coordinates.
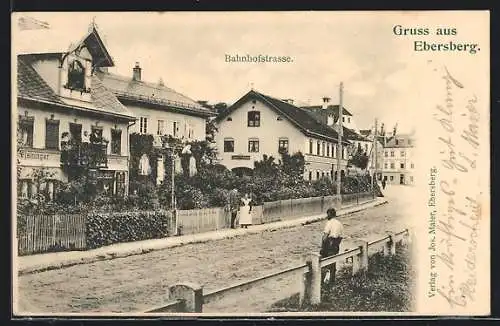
(293, 165)
(359, 159)
(221, 108)
(267, 166)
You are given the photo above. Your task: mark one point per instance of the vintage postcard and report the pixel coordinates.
(251, 163)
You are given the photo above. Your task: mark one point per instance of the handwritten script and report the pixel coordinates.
(455, 227)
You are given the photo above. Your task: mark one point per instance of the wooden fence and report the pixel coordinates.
(42, 233)
(203, 220)
(189, 297)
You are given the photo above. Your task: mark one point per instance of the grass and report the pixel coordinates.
(387, 286)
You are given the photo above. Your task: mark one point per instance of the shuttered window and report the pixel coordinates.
(52, 134)
(116, 141)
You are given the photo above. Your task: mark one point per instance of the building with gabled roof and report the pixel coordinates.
(160, 110)
(399, 159)
(60, 103)
(259, 124)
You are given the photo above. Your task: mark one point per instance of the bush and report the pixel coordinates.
(104, 229)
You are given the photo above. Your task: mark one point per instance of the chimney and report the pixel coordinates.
(137, 72)
(326, 102)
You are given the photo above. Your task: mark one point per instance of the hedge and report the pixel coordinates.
(104, 229)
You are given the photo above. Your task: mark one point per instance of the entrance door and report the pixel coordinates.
(402, 179)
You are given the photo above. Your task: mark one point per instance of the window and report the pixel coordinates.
(161, 127)
(228, 145)
(310, 146)
(411, 178)
(397, 142)
(392, 166)
(348, 120)
(328, 150)
(392, 153)
(116, 141)
(76, 75)
(366, 148)
(253, 145)
(323, 174)
(52, 134)
(391, 178)
(386, 154)
(412, 166)
(343, 119)
(323, 149)
(143, 125)
(310, 175)
(26, 131)
(283, 145)
(385, 165)
(317, 175)
(402, 165)
(318, 148)
(254, 119)
(402, 153)
(75, 131)
(175, 128)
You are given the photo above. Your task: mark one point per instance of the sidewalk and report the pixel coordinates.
(49, 261)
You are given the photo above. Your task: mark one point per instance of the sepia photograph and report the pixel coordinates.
(288, 163)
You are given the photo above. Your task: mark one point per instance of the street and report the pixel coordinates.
(137, 283)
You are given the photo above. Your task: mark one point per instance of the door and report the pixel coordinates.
(402, 179)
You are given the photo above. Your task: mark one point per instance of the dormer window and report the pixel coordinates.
(76, 76)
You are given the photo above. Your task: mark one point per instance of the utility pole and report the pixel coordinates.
(339, 144)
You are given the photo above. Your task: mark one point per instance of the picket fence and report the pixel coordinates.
(43, 233)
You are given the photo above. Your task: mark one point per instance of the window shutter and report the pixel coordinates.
(52, 135)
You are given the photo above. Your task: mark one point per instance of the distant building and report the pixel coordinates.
(259, 124)
(328, 114)
(59, 99)
(399, 159)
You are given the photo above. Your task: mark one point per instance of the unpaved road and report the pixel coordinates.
(136, 283)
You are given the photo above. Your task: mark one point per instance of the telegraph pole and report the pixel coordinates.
(339, 144)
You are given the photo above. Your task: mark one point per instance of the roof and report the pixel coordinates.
(49, 40)
(365, 132)
(126, 88)
(297, 116)
(353, 135)
(404, 140)
(31, 86)
(334, 108)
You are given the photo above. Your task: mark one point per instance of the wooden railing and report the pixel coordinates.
(189, 297)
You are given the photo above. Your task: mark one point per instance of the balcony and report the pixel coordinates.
(84, 155)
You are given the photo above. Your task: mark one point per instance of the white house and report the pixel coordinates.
(328, 114)
(399, 159)
(259, 124)
(58, 95)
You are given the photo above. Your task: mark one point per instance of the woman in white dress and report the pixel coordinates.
(245, 212)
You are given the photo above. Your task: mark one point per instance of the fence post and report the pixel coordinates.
(390, 246)
(191, 294)
(311, 289)
(360, 261)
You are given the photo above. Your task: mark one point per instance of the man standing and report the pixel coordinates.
(234, 206)
(330, 241)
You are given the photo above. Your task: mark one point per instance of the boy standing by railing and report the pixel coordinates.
(330, 241)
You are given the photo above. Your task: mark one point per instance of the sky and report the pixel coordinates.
(187, 51)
